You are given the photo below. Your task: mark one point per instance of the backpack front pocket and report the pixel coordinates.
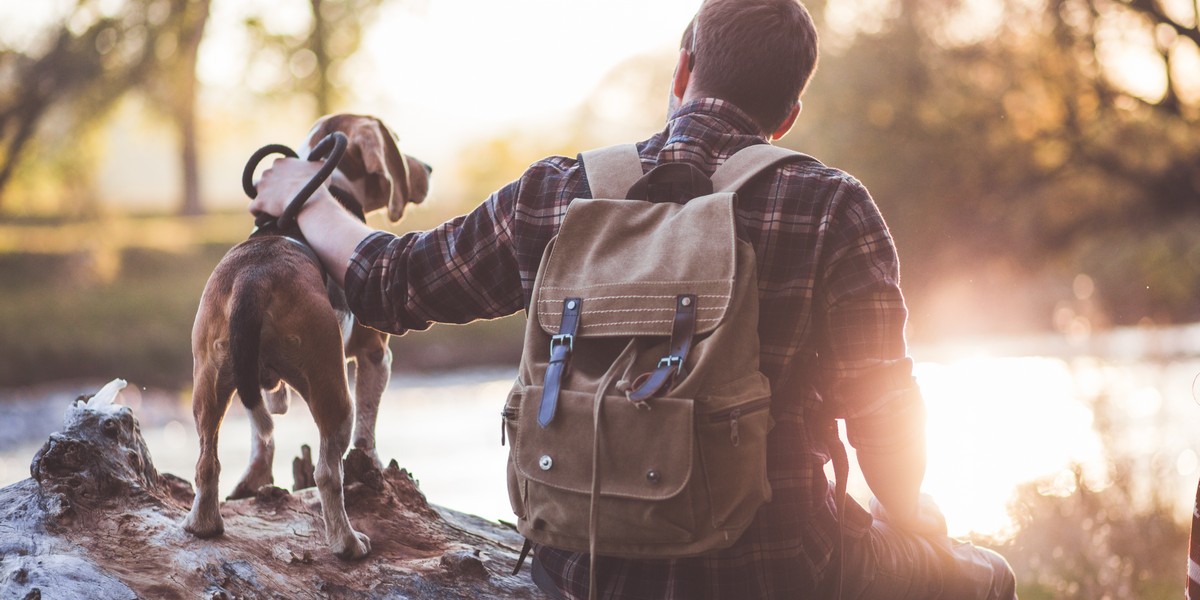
(645, 464)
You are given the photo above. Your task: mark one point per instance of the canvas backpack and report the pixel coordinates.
(638, 422)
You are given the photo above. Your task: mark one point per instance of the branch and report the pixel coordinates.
(1152, 9)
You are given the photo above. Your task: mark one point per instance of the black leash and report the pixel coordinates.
(332, 147)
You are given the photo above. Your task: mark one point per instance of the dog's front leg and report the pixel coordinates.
(262, 454)
(373, 360)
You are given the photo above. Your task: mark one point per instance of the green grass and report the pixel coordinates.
(58, 321)
(116, 297)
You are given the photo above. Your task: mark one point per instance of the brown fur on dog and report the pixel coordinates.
(269, 317)
(373, 156)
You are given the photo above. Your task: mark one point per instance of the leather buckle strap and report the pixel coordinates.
(683, 330)
(561, 346)
(841, 472)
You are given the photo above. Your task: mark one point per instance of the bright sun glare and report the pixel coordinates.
(995, 423)
(447, 71)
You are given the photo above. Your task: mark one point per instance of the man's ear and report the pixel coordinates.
(786, 126)
(683, 74)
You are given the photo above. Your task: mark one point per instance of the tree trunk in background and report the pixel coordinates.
(319, 45)
(191, 32)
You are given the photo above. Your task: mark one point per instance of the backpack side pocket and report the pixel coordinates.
(733, 449)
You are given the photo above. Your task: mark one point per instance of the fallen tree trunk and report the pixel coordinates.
(96, 520)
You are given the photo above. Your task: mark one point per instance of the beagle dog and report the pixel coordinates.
(270, 317)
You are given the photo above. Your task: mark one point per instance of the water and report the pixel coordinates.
(994, 423)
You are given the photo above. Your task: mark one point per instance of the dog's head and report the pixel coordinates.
(373, 168)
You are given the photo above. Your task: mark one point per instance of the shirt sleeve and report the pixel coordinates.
(463, 270)
(868, 375)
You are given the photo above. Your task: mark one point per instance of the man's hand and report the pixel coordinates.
(927, 520)
(331, 230)
(280, 183)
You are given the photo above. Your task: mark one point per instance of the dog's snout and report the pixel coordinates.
(428, 169)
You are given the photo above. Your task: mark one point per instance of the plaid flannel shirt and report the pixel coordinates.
(831, 311)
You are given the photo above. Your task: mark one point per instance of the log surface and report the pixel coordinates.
(96, 520)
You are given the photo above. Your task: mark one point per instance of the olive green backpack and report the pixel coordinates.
(638, 423)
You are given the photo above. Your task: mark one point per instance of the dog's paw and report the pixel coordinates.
(243, 490)
(359, 548)
(203, 528)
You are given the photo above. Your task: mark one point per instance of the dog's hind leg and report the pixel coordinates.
(210, 400)
(262, 454)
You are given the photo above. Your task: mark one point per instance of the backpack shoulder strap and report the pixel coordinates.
(749, 162)
(613, 170)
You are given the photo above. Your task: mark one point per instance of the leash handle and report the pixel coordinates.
(331, 148)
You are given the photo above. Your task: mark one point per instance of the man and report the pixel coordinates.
(831, 328)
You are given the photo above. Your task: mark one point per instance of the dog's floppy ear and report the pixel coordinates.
(392, 179)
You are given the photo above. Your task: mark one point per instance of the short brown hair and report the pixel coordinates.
(757, 54)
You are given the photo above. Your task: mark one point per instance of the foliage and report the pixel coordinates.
(1086, 544)
(91, 57)
(55, 92)
(105, 297)
(1021, 146)
(311, 63)
(628, 104)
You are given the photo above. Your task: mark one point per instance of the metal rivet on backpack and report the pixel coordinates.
(686, 301)
(545, 462)
(652, 476)
(571, 305)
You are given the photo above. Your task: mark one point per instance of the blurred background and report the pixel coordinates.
(1038, 162)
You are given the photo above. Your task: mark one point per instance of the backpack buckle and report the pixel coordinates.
(671, 361)
(562, 339)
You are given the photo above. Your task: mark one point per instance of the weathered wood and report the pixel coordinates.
(96, 520)
(303, 471)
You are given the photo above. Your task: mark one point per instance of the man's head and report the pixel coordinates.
(757, 54)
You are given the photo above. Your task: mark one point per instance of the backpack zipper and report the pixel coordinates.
(505, 416)
(737, 412)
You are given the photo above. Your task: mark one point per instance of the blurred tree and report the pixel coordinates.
(91, 57)
(175, 88)
(1023, 135)
(1076, 543)
(310, 63)
(629, 103)
(1116, 535)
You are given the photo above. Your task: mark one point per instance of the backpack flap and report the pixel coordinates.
(628, 261)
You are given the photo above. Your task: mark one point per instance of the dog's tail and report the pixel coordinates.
(249, 304)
